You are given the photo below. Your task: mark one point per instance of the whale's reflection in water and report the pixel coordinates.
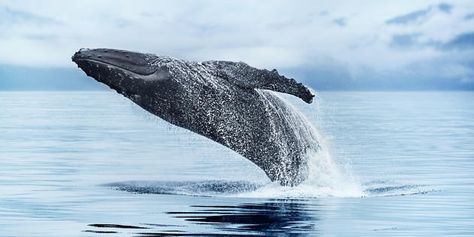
(274, 217)
(219, 212)
(270, 217)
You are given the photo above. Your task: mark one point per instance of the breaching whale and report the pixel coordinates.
(228, 102)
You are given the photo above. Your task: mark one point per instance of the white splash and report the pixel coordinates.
(325, 177)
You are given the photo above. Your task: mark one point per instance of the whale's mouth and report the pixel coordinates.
(132, 62)
(114, 66)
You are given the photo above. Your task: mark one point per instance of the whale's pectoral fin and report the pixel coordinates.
(246, 76)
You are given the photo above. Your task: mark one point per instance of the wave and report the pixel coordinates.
(246, 189)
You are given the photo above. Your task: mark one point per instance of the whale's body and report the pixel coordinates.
(227, 102)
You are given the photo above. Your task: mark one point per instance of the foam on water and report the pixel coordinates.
(325, 180)
(387, 189)
(190, 188)
(245, 189)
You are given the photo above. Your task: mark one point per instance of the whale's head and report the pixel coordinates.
(126, 72)
(139, 77)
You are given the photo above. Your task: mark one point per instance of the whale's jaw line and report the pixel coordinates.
(136, 63)
(82, 63)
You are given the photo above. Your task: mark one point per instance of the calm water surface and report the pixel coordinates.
(94, 164)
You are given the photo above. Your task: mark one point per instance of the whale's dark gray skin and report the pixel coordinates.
(228, 102)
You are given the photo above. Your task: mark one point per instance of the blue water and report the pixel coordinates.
(94, 164)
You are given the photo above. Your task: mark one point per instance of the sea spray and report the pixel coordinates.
(323, 176)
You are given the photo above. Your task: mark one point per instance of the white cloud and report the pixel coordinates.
(271, 34)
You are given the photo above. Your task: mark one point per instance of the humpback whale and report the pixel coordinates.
(228, 102)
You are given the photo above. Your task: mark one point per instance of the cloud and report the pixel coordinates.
(461, 42)
(405, 40)
(323, 13)
(411, 17)
(304, 38)
(340, 21)
(444, 7)
(419, 16)
(29, 25)
(11, 16)
(469, 16)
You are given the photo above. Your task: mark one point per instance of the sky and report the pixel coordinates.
(329, 45)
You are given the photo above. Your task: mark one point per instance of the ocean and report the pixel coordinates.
(95, 164)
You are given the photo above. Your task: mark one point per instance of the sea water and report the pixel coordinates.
(93, 163)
